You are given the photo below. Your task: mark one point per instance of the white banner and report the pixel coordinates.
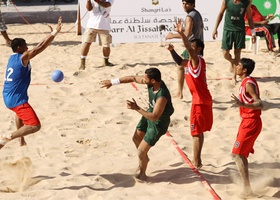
(141, 20)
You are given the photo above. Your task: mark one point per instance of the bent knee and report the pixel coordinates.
(141, 154)
(36, 128)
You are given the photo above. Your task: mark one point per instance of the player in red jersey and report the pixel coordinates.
(201, 116)
(250, 106)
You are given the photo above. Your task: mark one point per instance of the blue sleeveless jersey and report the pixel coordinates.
(16, 83)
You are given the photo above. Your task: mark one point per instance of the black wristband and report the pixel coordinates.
(176, 57)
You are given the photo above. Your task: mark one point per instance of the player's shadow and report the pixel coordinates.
(268, 79)
(270, 105)
(277, 194)
(222, 105)
(185, 175)
(59, 43)
(125, 65)
(114, 180)
(150, 64)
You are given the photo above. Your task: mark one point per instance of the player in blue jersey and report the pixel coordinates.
(16, 83)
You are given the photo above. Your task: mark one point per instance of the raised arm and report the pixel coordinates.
(193, 56)
(29, 54)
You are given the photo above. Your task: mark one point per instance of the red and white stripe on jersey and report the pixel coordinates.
(195, 72)
(242, 92)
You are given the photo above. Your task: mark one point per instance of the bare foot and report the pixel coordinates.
(83, 64)
(82, 67)
(4, 139)
(140, 175)
(197, 165)
(247, 194)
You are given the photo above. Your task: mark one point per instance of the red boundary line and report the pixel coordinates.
(188, 162)
(225, 78)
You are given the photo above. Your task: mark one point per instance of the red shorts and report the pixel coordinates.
(26, 113)
(201, 118)
(248, 132)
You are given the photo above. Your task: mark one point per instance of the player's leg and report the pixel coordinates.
(143, 149)
(140, 131)
(19, 124)
(84, 53)
(227, 44)
(197, 135)
(248, 131)
(90, 36)
(242, 167)
(138, 137)
(181, 78)
(198, 141)
(3, 31)
(30, 120)
(106, 40)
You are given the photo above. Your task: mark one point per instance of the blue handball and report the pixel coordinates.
(57, 75)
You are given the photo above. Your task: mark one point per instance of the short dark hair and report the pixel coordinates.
(199, 43)
(248, 64)
(189, 1)
(17, 42)
(153, 73)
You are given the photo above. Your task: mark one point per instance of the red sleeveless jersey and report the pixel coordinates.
(246, 98)
(196, 81)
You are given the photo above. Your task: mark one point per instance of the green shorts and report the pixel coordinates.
(185, 54)
(233, 37)
(153, 130)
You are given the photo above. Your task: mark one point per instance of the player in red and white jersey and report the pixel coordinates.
(201, 116)
(250, 106)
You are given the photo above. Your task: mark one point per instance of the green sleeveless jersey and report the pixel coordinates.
(162, 92)
(234, 17)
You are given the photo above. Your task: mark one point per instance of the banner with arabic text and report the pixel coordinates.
(142, 20)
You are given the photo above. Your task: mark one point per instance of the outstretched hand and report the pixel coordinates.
(236, 100)
(105, 84)
(179, 25)
(132, 105)
(58, 26)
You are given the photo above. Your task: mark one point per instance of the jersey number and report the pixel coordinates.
(9, 73)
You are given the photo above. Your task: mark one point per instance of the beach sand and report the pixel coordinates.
(84, 149)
